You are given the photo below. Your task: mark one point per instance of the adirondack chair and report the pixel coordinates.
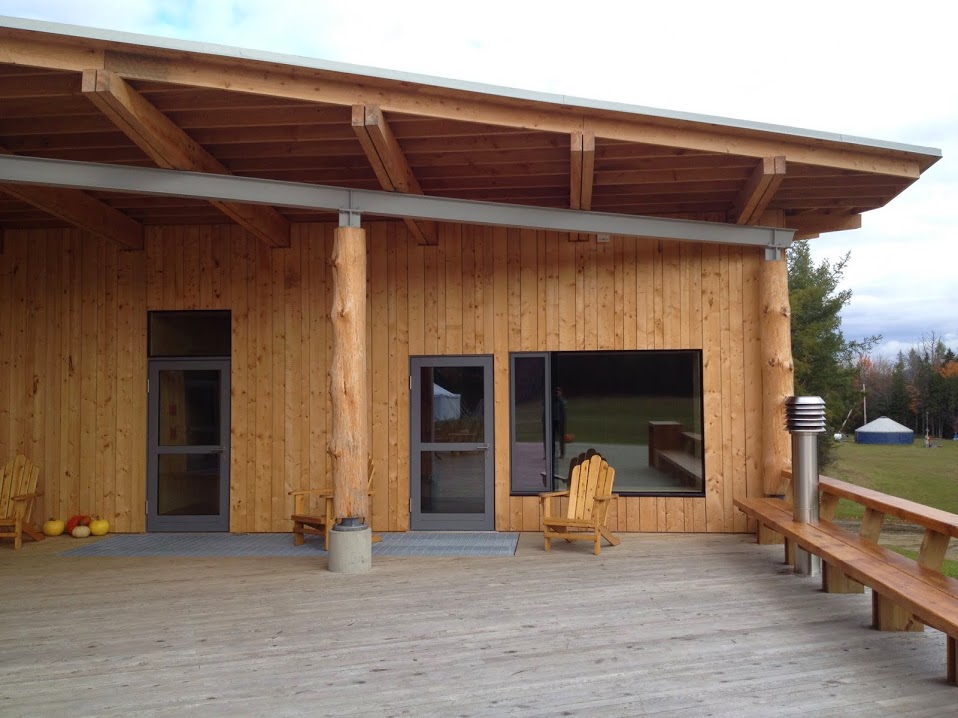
(589, 494)
(320, 521)
(18, 489)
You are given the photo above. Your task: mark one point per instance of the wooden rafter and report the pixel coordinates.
(252, 76)
(390, 164)
(759, 190)
(171, 148)
(818, 223)
(581, 169)
(81, 210)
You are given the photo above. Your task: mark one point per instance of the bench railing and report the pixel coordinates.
(906, 594)
(940, 526)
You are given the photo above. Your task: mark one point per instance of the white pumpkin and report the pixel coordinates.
(80, 532)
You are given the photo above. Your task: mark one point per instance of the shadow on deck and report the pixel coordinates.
(683, 625)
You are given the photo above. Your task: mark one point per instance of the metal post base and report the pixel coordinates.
(807, 564)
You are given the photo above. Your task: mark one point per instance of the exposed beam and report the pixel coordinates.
(79, 209)
(581, 169)
(278, 78)
(171, 183)
(390, 164)
(818, 223)
(171, 148)
(759, 190)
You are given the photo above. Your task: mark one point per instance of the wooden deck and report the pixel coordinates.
(681, 624)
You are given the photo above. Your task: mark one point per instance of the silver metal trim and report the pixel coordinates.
(174, 183)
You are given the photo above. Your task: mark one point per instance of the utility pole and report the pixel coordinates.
(864, 403)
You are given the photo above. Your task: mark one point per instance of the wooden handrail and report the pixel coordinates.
(910, 511)
(935, 519)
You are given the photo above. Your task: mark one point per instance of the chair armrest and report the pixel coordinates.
(26, 497)
(551, 494)
(305, 492)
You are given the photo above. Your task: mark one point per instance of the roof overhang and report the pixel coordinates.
(196, 185)
(931, 155)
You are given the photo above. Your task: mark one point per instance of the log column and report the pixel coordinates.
(778, 371)
(350, 546)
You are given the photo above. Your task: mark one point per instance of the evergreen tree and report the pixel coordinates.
(823, 358)
(897, 407)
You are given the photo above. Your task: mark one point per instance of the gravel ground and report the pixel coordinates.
(903, 536)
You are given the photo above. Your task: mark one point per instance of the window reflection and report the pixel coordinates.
(452, 405)
(641, 410)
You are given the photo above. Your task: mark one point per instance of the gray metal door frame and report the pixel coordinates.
(423, 521)
(155, 522)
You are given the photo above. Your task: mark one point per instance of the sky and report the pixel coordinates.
(883, 70)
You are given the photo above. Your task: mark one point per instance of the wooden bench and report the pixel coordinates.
(685, 467)
(906, 594)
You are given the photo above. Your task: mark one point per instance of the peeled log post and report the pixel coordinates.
(778, 373)
(349, 447)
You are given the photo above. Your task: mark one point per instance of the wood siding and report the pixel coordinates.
(73, 354)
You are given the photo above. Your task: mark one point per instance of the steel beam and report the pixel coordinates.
(174, 183)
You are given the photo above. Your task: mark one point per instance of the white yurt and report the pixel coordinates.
(884, 431)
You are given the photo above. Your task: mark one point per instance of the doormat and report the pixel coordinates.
(206, 545)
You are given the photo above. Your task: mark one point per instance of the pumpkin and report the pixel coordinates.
(80, 532)
(53, 527)
(78, 520)
(99, 527)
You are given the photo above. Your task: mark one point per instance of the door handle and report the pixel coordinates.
(218, 450)
(483, 447)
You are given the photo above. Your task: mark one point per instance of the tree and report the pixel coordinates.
(897, 407)
(825, 362)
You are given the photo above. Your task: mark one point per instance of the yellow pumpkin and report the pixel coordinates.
(99, 527)
(80, 532)
(53, 527)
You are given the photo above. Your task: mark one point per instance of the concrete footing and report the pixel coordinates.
(350, 549)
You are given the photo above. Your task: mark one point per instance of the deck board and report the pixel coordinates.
(662, 625)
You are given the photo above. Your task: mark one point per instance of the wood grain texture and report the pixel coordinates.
(641, 610)
(482, 290)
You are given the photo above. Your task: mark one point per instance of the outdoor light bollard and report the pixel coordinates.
(805, 420)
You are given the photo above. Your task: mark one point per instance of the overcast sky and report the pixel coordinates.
(886, 70)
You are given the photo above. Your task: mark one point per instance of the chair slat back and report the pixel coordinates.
(17, 477)
(605, 489)
(582, 486)
(6, 489)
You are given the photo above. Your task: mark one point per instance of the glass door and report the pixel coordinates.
(451, 447)
(189, 458)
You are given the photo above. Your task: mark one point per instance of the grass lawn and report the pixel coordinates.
(609, 420)
(949, 568)
(928, 476)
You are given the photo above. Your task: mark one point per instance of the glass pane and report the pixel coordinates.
(528, 424)
(188, 485)
(452, 405)
(640, 410)
(189, 334)
(453, 482)
(189, 406)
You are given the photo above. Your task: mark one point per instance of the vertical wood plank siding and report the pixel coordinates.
(73, 358)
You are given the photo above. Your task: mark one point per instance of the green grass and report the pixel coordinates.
(949, 568)
(609, 420)
(927, 476)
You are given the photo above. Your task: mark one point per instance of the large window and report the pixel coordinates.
(642, 410)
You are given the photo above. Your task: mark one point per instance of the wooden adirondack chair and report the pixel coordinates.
(18, 489)
(590, 492)
(321, 521)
